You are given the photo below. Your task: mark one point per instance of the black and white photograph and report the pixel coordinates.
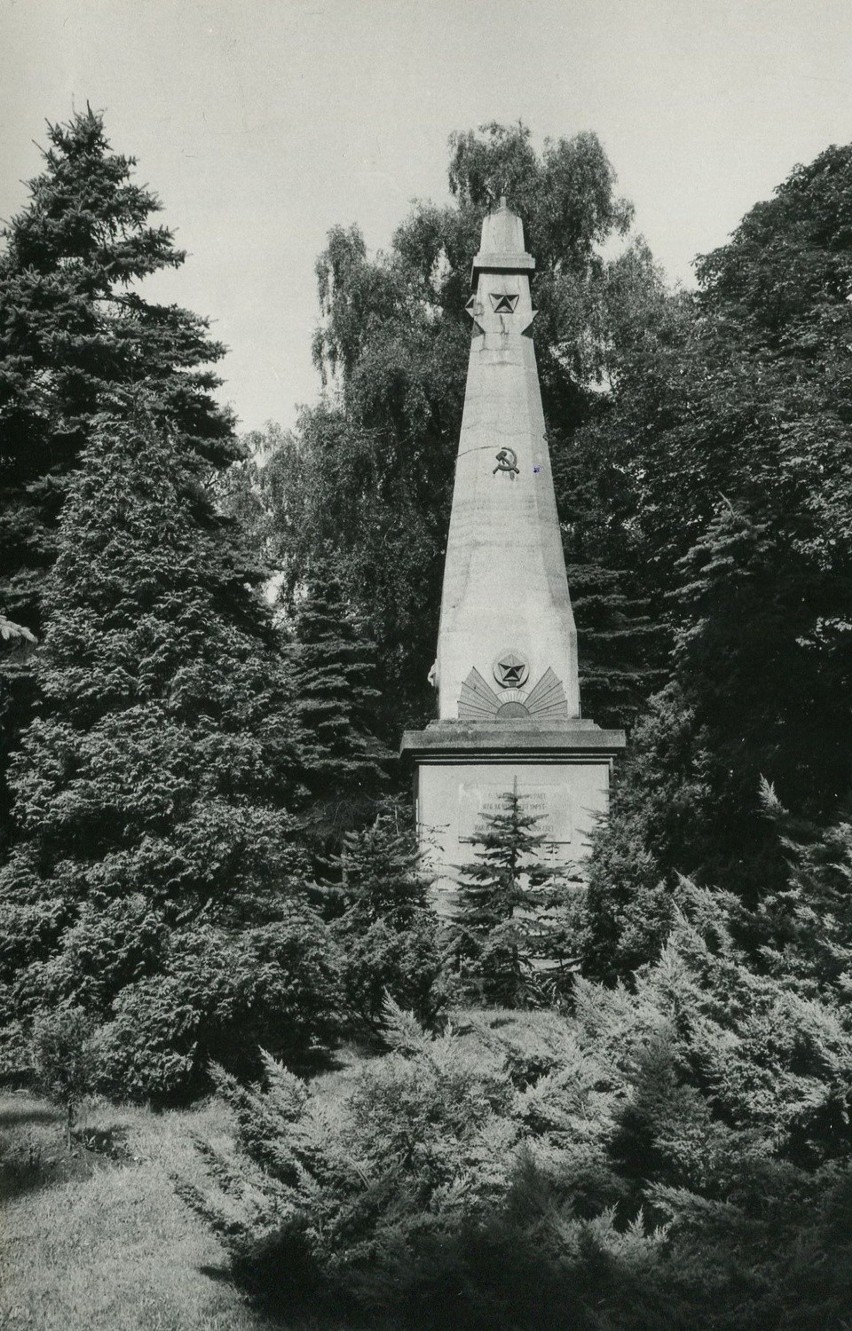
(426, 665)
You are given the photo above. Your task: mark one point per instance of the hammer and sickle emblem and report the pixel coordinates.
(507, 460)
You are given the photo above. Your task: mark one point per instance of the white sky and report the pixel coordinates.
(261, 123)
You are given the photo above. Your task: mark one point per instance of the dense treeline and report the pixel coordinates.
(743, 490)
(182, 767)
(203, 853)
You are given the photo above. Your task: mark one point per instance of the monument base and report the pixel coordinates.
(462, 768)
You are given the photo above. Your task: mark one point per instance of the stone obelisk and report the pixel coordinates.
(506, 668)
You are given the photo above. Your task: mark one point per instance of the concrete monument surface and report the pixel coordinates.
(506, 667)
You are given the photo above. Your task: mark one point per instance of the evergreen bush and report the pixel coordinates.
(157, 880)
(66, 1060)
(666, 1159)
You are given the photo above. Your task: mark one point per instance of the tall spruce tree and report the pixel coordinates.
(343, 765)
(73, 326)
(384, 925)
(508, 915)
(155, 882)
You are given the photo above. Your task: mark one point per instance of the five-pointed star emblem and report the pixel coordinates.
(503, 302)
(511, 670)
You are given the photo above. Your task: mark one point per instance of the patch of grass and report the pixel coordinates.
(338, 1081)
(98, 1241)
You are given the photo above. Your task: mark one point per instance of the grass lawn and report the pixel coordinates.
(99, 1242)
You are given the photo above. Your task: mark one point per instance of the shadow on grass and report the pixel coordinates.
(29, 1165)
(13, 1116)
(301, 1319)
(34, 1152)
(221, 1274)
(25, 1168)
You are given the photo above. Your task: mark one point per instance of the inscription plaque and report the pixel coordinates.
(550, 803)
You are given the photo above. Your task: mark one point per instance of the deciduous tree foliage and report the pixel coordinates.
(153, 883)
(370, 472)
(733, 427)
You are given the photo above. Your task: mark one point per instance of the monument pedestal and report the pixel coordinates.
(463, 767)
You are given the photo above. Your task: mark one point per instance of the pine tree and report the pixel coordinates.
(803, 932)
(74, 327)
(507, 916)
(386, 930)
(620, 644)
(155, 879)
(657, 819)
(342, 763)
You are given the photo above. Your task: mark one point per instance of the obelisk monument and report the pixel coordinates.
(506, 667)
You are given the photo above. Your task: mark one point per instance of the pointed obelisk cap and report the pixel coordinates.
(507, 645)
(502, 245)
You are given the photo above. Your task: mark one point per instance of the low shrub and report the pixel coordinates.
(667, 1159)
(66, 1060)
